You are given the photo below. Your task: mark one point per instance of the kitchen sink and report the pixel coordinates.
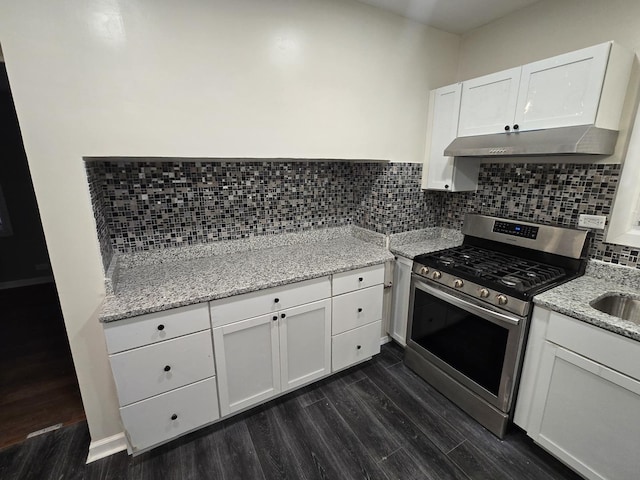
(619, 305)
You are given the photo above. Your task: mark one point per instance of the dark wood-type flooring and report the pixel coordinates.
(374, 421)
(38, 384)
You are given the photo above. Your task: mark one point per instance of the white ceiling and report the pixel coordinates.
(455, 16)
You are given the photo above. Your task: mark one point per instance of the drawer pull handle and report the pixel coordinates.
(282, 315)
(174, 416)
(360, 310)
(275, 317)
(360, 279)
(276, 300)
(167, 368)
(358, 347)
(161, 327)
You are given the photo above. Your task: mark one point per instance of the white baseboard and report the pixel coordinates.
(385, 339)
(107, 446)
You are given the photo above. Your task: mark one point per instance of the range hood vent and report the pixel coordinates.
(580, 140)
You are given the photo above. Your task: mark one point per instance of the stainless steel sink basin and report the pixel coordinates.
(619, 305)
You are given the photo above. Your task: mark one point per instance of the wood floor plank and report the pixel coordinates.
(310, 447)
(390, 355)
(237, 452)
(362, 421)
(276, 447)
(401, 466)
(439, 431)
(417, 443)
(343, 448)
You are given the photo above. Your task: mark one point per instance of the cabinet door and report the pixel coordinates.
(247, 361)
(305, 343)
(488, 103)
(587, 415)
(562, 91)
(443, 128)
(400, 301)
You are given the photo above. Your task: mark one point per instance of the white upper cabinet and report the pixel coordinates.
(488, 103)
(441, 172)
(583, 87)
(562, 91)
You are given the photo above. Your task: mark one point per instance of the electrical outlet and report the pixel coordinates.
(592, 221)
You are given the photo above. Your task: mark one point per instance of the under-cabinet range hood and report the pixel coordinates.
(579, 140)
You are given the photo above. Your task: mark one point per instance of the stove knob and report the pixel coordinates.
(437, 275)
(484, 293)
(424, 270)
(458, 283)
(502, 300)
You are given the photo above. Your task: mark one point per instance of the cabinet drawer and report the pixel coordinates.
(357, 279)
(608, 348)
(155, 327)
(355, 309)
(150, 422)
(356, 345)
(240, 307)
(143, 372)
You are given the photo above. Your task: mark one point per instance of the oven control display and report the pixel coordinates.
(525, 231)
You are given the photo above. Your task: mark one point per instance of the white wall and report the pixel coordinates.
(248, 78)
(545, 29)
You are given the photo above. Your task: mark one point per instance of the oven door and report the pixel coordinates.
(475, 345)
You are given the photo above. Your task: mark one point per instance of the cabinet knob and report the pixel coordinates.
(446, 186)
(358, 347)
(360, 279)
(167, 368)
(283, 315)
(174, 416)
(516, 127)
(161, 327)
(275, 317)
(359, 309)
(507, 128)
(276, 300)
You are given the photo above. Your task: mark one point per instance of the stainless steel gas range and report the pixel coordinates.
(470, 307)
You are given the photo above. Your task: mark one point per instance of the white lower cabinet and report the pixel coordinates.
(248, 362)
(172, 380)
(355, 345)
(400, 300)
(585, 413)
(305, 344)
(262, 356)
(357, 308)
(143, 372)
(170, 414)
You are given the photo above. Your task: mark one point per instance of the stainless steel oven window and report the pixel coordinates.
(5, 223)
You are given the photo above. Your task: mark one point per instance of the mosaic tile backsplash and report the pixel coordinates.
(96, 191)
(553, 194)
(148, 205)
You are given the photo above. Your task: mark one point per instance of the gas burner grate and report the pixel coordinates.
(491, 266)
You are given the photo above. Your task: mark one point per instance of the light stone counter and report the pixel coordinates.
(155, 281)
(573, 298)
(418, 242)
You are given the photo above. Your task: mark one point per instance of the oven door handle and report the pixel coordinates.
(467, 305)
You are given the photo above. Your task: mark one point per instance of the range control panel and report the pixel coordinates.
(515, 229)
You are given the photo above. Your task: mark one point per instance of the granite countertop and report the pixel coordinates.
(418, 242)
(573, 298)
(161, 283)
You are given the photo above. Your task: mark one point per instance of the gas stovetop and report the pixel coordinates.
(501, 271)
(505, 263)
